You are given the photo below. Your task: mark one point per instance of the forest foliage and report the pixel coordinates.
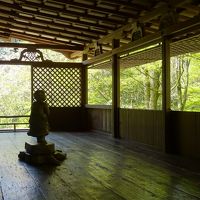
(141, 86)
(15, 85)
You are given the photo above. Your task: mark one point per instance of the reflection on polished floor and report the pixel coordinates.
(97, 167)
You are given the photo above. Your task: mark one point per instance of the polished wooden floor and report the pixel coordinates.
(97, 167)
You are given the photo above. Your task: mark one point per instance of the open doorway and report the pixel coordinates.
(15, 96)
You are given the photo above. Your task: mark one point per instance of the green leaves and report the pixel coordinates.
(141, 86)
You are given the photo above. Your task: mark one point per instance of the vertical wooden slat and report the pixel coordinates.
(124, 132)
(115, 92)
(198, 133)
(109, 121)
(144, 126)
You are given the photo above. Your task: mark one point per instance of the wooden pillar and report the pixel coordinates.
(84, 94)
(115, 92)
(31, 84)
(166, 96)
(84, 82)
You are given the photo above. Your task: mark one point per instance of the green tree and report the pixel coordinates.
(141, 86)
(100, 86)
(185, 82)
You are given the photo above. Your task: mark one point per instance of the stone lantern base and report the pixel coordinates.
(41, 154)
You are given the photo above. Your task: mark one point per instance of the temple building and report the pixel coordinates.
(124, 99)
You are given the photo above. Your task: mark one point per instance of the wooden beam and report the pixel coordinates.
(41, 64)
(47, 29)
(129, 4)
(117, 34)
(35, 39)
(98, 9)
(183, 27)
(14, 29)
(17, 8)
(14, 18)
(132, 46)
(115, 92)
(177, 29)
(76, 55)
(39, 46)
(68, 12)
(41, 39)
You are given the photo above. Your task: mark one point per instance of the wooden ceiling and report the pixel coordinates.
(78, 23)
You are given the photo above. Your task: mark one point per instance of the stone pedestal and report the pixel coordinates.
(41, 154)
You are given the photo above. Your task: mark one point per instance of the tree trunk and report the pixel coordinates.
(183, 64)
(147, 89)
(155, 88)
(187, 65)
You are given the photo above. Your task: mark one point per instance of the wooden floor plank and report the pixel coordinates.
(96, 168)
(16, 183)
(156, 177)
(51, 185)
(73, 175)
(114, 182)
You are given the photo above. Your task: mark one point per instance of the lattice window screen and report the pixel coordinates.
(142, 57)
(102, 65)
(187, 45)
(62, 85)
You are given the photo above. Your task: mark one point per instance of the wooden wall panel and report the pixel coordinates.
(144, 126)
(99, 119)
(185, 127)
(139, 125)
(66, 119)
(198, 134)
(147, 126)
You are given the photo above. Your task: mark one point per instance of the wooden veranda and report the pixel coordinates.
(97, 167)
(133, 154)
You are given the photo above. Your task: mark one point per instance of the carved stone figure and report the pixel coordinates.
(42, 152)
(39, 126)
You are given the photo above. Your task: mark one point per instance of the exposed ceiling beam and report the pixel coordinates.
(17, 8)
(129, 3)
(14, 17)
(38, 63)
(29, 26)
(36, 39)
(192, 25)
(117, 34)
(66, 11)
(98, 9)
(76, 54)
(43, 31)
(39, 46)
(135, 45)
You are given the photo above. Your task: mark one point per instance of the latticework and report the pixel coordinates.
(62, 85)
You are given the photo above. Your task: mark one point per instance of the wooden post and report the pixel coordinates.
(14, 127)
(167, 143)
(115, 92)
(31, 84)
(84, 94)
(84, 82)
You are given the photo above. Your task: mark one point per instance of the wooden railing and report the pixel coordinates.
(13, 122)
